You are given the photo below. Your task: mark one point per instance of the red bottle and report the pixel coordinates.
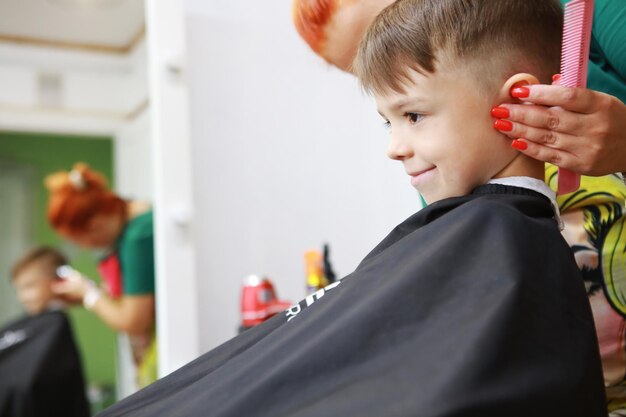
(259, 301)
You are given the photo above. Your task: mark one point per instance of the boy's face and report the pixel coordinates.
(33, 287)
(441, 131)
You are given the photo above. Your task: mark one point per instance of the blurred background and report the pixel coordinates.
(251, 149)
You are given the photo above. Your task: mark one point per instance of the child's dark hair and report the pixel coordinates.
(493, 38)
(45, 256)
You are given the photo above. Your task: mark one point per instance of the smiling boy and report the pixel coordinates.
(473, 306)
(435, 74)
(438, 134)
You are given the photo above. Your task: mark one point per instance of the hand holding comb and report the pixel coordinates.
(574, 59)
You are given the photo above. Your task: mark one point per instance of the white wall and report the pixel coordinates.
(133, 159)
(93, 93)
(287, 154)
(133, 165)
(175, 249)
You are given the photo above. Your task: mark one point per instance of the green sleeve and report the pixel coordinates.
(136, 253)
(609, 31)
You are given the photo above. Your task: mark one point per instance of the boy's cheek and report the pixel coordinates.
(32, 297)
(23, 296)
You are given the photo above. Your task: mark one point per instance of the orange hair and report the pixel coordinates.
(311, 18)
(79, 195)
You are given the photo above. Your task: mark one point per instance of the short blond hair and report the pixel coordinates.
(500, 37)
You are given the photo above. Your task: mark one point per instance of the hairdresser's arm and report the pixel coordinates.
(129, 314)
(579, 129)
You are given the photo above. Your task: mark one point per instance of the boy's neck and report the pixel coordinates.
(523, 166)
(55, 305)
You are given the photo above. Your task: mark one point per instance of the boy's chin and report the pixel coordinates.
(34, 310)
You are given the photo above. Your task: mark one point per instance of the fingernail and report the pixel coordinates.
(500, 112)
(519, 145)
(520, 92)
(504, 125)
(556, 77)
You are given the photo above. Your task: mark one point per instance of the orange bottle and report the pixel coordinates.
(314, 265)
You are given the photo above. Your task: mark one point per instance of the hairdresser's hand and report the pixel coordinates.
(574, 128)
(72, 289)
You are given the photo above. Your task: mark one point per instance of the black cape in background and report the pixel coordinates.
(474, 306)
(40, 369)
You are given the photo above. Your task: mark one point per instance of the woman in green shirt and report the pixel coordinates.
(83, 210)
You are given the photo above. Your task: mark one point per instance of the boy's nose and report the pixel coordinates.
(398, 150)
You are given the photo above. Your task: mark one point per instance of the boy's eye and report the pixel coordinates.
(413, 117)
(387, 124)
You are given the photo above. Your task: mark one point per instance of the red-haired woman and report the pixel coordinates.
(83, 210)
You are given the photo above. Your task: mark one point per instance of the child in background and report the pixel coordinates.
(33, 276)
(474, 306)
(40, 368)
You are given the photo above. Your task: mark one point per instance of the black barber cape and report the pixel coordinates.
(40, 369)
(474, 306)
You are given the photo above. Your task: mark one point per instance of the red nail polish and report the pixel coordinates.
(556, 77)
(519, 144)
(500, 112)
(520, 92)
(504, 125)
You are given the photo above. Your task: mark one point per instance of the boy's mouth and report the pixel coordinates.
(419, 177)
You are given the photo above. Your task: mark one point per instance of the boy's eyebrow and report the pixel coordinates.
(401, 103)
(405, 101)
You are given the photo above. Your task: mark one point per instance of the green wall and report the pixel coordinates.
(46, 154)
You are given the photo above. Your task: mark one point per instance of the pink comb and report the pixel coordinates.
(574, 59)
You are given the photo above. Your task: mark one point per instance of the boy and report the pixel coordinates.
(474, 306)
(33, 276)
(40, 368)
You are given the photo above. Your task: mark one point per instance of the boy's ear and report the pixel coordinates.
(516, 80)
